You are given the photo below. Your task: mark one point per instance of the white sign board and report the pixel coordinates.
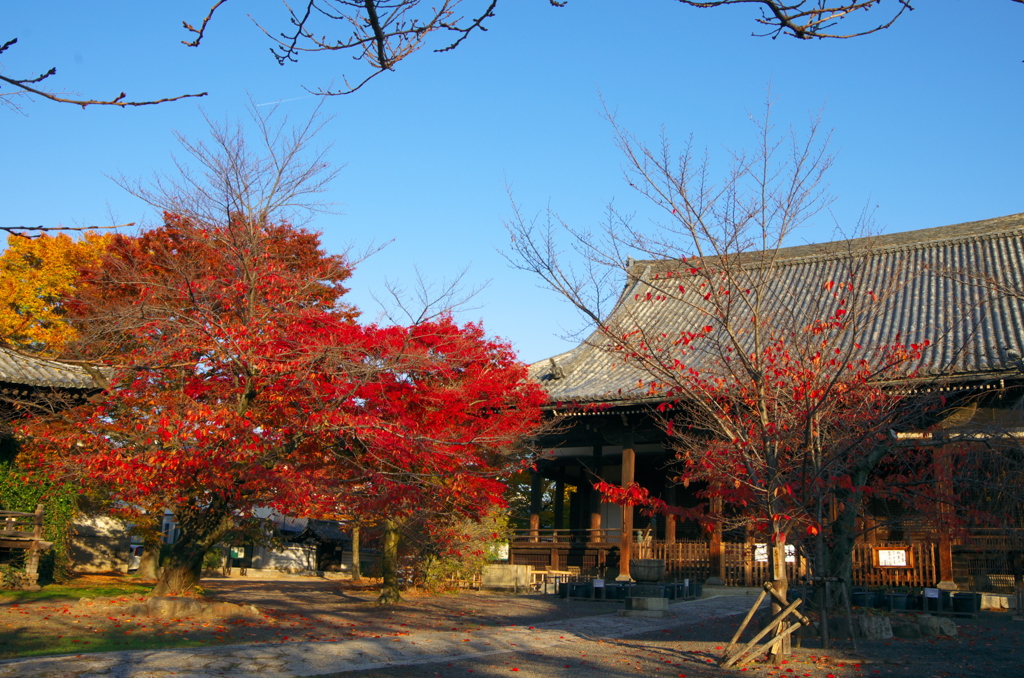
(892, 558)
(761, 553)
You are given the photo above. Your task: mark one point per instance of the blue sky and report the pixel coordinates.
(926, 118)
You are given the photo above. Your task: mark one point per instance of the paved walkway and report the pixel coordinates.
(316, 658)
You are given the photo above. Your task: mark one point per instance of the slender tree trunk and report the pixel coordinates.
(201, 530)
(389, 592)
(780, 582)
(357, 572)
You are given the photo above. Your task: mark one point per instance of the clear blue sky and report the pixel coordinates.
(927, 118)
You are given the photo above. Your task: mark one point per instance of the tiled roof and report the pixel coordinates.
(323, 531)
(18, 368)
(974, 334)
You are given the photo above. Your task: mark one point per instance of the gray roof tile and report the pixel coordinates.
(972, 331)
(18, 368)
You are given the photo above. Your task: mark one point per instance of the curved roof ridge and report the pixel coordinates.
(975, 337)
(903, 241)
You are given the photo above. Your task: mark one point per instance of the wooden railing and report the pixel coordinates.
(744, 565)
(20, 530)
(561, 536)
(18, 526)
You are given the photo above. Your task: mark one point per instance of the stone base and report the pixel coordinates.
(714, 581)
(649, 604)
(623, 577)
(947, 586)
(644, 613)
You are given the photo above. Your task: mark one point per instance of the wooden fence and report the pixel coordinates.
(745, 563)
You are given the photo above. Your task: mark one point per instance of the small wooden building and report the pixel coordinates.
(605, 405)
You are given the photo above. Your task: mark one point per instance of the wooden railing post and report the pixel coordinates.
(37, 531)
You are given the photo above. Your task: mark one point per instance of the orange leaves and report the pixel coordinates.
(36, 274)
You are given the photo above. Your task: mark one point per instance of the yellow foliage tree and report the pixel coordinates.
(36, 274)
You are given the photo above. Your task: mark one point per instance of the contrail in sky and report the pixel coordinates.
(282, 101)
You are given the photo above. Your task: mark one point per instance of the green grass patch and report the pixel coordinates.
(34, 644)
(77, 590)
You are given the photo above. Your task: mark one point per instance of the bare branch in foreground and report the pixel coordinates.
(28, 87)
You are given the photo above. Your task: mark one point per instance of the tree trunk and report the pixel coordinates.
(780, 582)
(149, 561)
(389, 592)
(201, 530)
(357, 572)
(153, 541)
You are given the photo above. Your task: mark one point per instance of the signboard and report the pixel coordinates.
(893, 556)
(761, 553)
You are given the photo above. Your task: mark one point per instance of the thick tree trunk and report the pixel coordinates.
(201, 530)
(389, 592)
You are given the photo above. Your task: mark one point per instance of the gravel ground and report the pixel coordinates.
(330, 611)
(989, 647)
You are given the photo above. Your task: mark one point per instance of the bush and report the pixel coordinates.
(458, 552)
(11, 577)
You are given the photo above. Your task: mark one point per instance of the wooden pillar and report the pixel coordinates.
(32, 557)
(560, 500)
(536, 490)
(944, 476)
(595, 536)
(870, 530)
(626, 541)
(716, 550)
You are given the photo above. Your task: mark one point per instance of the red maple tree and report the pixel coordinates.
(238, 380)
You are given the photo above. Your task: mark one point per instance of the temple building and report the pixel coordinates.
(959, 287)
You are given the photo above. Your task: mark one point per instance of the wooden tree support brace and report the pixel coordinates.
(743, 626)
(728, 661)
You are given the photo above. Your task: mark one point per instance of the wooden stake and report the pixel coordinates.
(746, 620)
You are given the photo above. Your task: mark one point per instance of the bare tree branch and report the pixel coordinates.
(429, 299)
(36, 231)
(806, 19)
(201, 31)
(26, 86)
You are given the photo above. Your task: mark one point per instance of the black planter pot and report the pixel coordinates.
(615, 592)
(860, 598)
(966, 602)
(581, 590)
